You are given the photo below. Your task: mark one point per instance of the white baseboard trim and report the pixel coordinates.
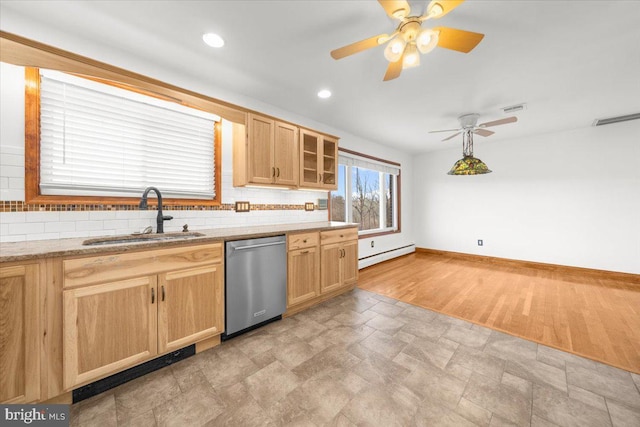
(386, 255)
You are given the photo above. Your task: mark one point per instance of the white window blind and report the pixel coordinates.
(100, 140)
(365, 163)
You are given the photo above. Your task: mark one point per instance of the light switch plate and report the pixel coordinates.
(243, 206)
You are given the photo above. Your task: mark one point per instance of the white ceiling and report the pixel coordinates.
(570, 61)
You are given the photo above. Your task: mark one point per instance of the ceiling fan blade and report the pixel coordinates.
(393, 70)
(396, 9)
(358, 46)
(444, 130)
(499, 122)
(446, 5)
(452, 136)
(483, 132)
(460, 40)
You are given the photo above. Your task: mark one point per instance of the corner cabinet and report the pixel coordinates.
(123, 309)
(19, 333)
(318, 161)
(266, 154)
(320, 266)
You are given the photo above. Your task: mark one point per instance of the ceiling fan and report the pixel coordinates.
(409, 39)
(468, 122)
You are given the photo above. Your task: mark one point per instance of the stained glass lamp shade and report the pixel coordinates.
(468, 165)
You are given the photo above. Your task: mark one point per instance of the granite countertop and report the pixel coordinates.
(37, 249)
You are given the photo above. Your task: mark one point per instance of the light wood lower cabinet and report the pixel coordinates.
(19, 333)
(185, 309)
(339, 265)
(320, 265)
(114, 325)
(339, 258)
(303, 275)
(108, 327)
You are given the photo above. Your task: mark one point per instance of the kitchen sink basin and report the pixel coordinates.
(136, 238)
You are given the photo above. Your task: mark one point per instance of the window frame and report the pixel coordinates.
(367, 234)
(33, 194)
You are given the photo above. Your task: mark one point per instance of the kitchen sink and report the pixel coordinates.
(136, 238)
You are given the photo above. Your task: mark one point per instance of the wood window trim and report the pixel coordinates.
(398, 194)
(32, 155)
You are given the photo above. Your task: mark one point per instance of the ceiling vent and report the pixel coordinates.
(600, 122)
(514, 108)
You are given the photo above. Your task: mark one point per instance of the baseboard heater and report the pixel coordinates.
(385, 255)
(115, 380)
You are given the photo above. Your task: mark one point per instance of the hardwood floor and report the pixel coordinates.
(583, 314)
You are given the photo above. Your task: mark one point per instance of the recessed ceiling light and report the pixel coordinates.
(324, 93)
(213, 40)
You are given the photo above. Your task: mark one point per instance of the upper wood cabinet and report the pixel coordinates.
(267, 154)
(318, 161)
(19, 333)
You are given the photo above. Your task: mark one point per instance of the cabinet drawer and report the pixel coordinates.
(302, 240)
(118, 266)
(337, 236)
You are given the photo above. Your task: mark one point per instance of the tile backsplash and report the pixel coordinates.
(21, 222)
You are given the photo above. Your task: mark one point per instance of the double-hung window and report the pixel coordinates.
(101, 140)
(367, 193)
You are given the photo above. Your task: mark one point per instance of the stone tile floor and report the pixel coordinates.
(365, 359)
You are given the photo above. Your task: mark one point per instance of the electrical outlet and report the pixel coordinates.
(480, 242)
(243, 206)
(308, 206)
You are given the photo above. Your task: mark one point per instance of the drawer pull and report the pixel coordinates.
(304, 241)
(304, 252)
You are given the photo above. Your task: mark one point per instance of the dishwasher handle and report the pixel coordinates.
(260, 245)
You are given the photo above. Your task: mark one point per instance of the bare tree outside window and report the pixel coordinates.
(365, 198)
(338, 207)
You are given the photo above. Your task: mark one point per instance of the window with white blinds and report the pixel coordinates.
(101, 140)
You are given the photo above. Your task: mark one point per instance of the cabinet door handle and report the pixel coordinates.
(319, 177)
(153, 295)
(278, 172)
(162, 292)
(273, 171)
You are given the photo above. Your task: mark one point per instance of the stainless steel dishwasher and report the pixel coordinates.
(255, 283)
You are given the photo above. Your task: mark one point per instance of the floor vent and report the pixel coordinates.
(115, 380)
(618, 119)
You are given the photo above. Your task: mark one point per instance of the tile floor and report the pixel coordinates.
(365, 359)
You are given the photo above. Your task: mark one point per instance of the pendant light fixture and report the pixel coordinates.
(468, 165)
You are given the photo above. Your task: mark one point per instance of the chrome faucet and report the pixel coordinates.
(143, 206)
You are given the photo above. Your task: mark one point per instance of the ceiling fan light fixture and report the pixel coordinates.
(427, 40)
(395, 48)
(435, 10)
(411, 56)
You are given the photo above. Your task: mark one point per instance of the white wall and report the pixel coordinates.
(569, 198)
